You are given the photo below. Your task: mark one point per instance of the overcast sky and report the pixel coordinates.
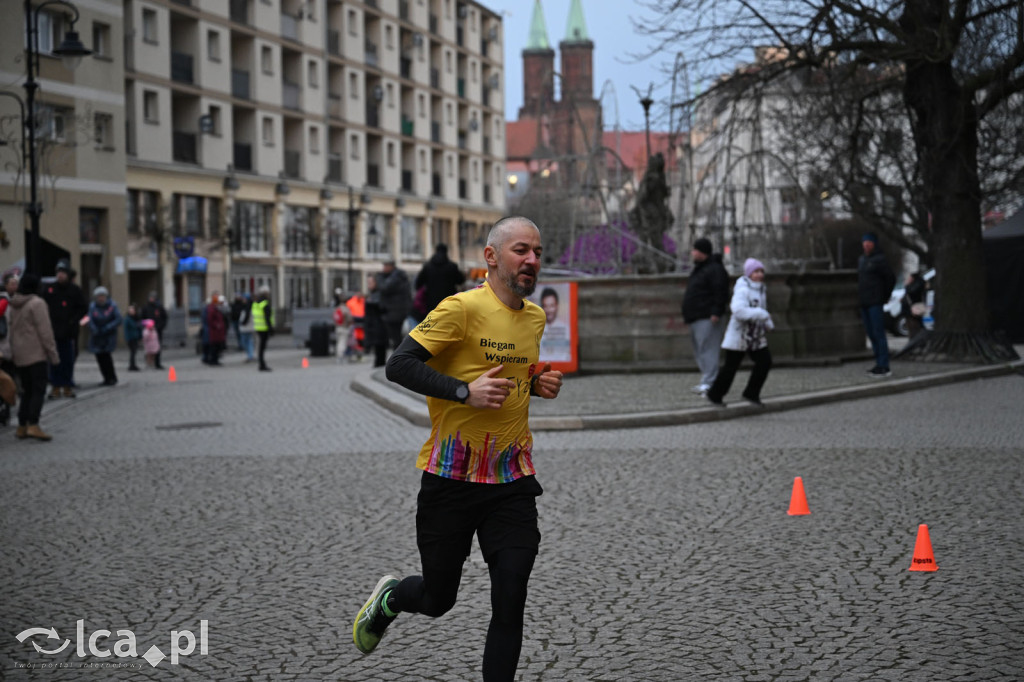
(609, 27)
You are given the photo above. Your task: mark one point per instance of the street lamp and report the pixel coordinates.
(231, 187)
(71, 50)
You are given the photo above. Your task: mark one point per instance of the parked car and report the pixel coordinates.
(895, 314)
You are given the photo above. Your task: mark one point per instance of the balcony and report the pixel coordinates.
(405, 67)
(408, 126)
(435, 184)
(239, 11)
(373, 115)
(407, 181)
(184, 147)
(181, 67)
(240, 83)
(334, 42)
(291, 94)
(289, 27)
(292, 164)
(373, 175)
(334, 167)
(371, 54)
(435, 131)
(242, 156)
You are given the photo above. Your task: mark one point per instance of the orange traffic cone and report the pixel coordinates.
(798, 500)
(924, 559)
(172, 376)
(305, 363)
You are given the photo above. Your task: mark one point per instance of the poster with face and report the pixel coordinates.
(558, 345)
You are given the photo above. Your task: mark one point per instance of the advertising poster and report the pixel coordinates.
(559, 343)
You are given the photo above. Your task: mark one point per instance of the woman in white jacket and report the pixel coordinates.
(747, 333)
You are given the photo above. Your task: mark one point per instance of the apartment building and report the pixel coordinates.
(300, 143)
(79, 138)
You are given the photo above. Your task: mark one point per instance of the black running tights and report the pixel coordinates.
(433, 594)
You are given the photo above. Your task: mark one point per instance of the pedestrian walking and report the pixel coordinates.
(263, 323)
(439, 278)
(747, 334)
(154, 310)
(150, 342)
(10, 288)
(395, 301)
(375, 335)
(215, 319)
(67, 306)
(132, 335)
(477, 363)
(32, 345)
(707, 292)
(875, 281)
(103, 320)
(246, 328)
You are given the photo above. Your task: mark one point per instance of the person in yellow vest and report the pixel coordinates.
(263, 322)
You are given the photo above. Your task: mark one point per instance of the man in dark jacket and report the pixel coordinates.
(395, 300)
(875, 280)
(707, 294)
(153, 310)
(67, 307)
(441, 277)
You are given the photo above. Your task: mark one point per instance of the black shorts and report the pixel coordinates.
(448, 512)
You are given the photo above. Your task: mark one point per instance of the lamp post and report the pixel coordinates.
(71, 50)
(231, 186)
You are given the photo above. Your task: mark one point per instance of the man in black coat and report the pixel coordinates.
(441, 279)
(875, 280)
(704, 303)
(67, 307)
(395, 300)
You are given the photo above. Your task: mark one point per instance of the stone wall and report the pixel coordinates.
(635, 322)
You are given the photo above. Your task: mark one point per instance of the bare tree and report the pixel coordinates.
(958, 64)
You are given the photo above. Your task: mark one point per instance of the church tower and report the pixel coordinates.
(577, 52)
(538, 68)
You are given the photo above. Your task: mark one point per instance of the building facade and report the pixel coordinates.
(79, 135)
(300, 143)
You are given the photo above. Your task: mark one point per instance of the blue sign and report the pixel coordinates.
(191, 264)
(184, 247)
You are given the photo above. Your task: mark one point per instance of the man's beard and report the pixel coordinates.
(510, 280)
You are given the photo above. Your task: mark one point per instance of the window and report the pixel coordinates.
(191, 222)
(251, 219)
(103, 131)
(150, 204)
(389, 37)
(353, 25)
(337, 233)
(54, 123)
(212, 215)
(131, 211)
(267, 60)
(353, 85)
(213, 46)
(314, 140)
(378, 235)
(101, 40)
(268, 131)
(353, 146)
(149, 27)
(412, 244)
(91, 222)
(297, 236)
(50, 32)
(313, 74)
(391, 154)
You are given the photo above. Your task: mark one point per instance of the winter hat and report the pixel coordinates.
(63, 266)
(703, 245)
(750, 265)
(29, 284)
(148, 323)
(100, 291)
(870, 237)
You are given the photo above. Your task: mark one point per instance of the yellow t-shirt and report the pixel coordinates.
(468, 334)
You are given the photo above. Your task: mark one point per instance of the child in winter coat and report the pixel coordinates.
(747, 333)
(150, 342)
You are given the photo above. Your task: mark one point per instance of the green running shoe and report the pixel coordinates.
(371, 621)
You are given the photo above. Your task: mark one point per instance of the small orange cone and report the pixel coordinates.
(924, 559)
(305, 363)
(798, 500)
(172, 376)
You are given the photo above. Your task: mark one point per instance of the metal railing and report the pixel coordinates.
(291, 95)
(240, 83)
(181, 67)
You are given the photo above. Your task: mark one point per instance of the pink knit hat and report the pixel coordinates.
(750, 265)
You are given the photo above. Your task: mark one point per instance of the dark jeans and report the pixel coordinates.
(264, 337)
(133, 348)
(63, 373)
(504, 519)
(380, 351)
(874, 325)
(723, 382)
(106, 363)
(33, 393)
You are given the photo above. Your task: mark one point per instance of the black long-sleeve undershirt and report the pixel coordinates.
(408, 367)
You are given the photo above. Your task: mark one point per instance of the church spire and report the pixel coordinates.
(576, 30)
(538, 30)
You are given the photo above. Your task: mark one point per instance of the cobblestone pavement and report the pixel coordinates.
(269, 504)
